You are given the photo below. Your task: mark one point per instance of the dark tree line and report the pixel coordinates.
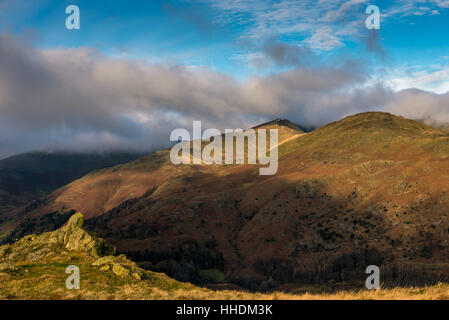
(183, 261)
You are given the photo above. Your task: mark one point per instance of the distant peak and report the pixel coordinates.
(381, 122)
(282, 122)
(379, 118)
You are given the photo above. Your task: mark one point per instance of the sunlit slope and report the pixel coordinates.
(102, 190)
(371, 188)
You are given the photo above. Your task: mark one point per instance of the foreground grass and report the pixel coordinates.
(34, 268)
(47, 281)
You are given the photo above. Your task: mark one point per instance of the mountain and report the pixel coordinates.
(368, 189)
(27, 177)
(283, 123)
(35, 267)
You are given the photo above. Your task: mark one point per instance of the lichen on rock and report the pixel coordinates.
(70, 237)
(120, 266)
(73, 237)
(105, 268)
(119, 270)
(103, 261)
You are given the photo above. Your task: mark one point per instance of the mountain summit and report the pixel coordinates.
(368, 189)
(279, 123)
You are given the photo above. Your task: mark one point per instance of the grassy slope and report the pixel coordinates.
(34, 268)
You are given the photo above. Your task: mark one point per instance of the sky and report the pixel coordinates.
(135, 70)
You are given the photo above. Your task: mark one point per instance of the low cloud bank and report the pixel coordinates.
(80, 99)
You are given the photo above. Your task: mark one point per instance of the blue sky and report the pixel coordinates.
(228, 35)
(138, 69)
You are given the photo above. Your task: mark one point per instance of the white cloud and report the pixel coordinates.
(434, 81)
(81, 99)
(417, 104)
(323, 40)
(325, 24)
(414, 7)
(441, 3)
(263, 19)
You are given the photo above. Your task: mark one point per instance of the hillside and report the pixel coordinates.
(368, 189)
(30, 176)
(35, 268)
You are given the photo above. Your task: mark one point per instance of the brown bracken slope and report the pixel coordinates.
(368, 189)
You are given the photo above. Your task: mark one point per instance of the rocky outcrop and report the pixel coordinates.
(120, 269)
(71, 237)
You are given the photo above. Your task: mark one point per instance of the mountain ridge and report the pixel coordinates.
(369, 188)
(29, 176)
